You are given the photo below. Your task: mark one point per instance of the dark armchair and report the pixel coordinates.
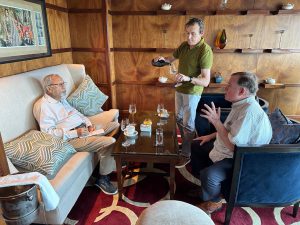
(265, 176)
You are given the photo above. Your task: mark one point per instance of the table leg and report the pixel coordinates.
(172, 179)
(119, 176)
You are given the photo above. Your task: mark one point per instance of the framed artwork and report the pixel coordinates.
(23, 30)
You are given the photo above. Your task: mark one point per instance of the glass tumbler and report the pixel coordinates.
(159, 137)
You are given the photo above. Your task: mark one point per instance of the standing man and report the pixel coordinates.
(246, 124)
(58, 118)
(195, 60)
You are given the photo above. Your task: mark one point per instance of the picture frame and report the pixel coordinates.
(24, 31)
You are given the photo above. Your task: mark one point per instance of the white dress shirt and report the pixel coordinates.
(58, 118)
(247, 124)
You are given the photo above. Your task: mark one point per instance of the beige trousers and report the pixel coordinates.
(103, 145)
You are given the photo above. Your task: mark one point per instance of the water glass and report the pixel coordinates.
(159, 137)
(124, 123)
(160, 109)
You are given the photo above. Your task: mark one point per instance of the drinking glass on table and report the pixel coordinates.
(160, 109)
(124, 123)
(132, 111)
(173, 71)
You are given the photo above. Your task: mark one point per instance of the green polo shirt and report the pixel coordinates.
(191, 61)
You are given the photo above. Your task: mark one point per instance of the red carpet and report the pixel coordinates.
(94, 207)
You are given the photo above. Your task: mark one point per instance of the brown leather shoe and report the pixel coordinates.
(210, 207)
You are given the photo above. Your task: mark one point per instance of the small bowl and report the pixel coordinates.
(166, 6)
(270, 81)
(288, 6)
(162, 79)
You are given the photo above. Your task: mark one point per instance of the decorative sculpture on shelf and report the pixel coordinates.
(221, 39)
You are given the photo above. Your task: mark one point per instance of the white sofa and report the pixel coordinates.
(18, 94)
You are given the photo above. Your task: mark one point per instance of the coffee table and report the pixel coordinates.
(144, 149)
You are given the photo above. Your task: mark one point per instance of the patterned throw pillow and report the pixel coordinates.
(39, 152)
(284, 131)
(87, 98)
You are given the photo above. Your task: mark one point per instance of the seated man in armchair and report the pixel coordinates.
(247, 123)
(58, 118)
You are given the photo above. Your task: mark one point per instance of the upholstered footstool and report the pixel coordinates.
(172, 212)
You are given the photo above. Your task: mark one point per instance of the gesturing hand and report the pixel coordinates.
(203, 139)
(211, 113)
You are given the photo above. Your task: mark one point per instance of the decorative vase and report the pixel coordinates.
(223, 39)
(217, 41)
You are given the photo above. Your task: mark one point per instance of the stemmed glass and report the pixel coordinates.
(281, 33)
(173, 71)
(132, 111)
(250, 38)
(124, 123)
(160, 109)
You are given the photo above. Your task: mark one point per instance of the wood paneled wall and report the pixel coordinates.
(85, 32)
(87, 29)
(136, 78)
(58, 24)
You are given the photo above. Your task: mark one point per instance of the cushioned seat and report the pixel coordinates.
(172, 212)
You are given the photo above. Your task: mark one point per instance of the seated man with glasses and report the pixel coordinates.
(58, 118)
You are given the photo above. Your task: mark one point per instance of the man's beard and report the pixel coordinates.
(63, 95)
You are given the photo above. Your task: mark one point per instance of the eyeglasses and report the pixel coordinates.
(60, 84)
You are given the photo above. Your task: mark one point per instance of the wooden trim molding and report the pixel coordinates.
(89, 50)
(74, 10)
(61, 50)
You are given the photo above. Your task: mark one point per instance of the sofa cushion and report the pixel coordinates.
(39, 152)
(87, 98)
(284, 131)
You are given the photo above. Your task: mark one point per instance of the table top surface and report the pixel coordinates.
(143, 143)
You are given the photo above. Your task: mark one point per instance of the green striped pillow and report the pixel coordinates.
(37, 151)
(87, 98)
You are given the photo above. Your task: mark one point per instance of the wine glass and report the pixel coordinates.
(124, 123)
(280, 39)
(160, 109)
(173, 71)
(132, 111)
(250, 38)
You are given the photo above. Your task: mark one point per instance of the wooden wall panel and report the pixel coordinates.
(230, 63)
(130, 31)
(136, 67)
(94, 65)
(274, 4)
(24, 66)
(86, 30)
(137, 5)
(58, 23)
(86, 4)
(146, 97)
(60, 3)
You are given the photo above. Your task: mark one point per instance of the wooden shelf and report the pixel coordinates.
(170, 12)
(217, 85)
(292, 11)
(256, 51)
(207, 12)
(272, 86)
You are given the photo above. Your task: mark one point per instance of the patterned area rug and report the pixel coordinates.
(94, 207)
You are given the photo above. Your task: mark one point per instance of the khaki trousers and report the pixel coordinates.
(103, 145)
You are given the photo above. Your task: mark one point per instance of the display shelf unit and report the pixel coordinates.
(217, 85)
(206, 12)
(272, 86)
(232, 50)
